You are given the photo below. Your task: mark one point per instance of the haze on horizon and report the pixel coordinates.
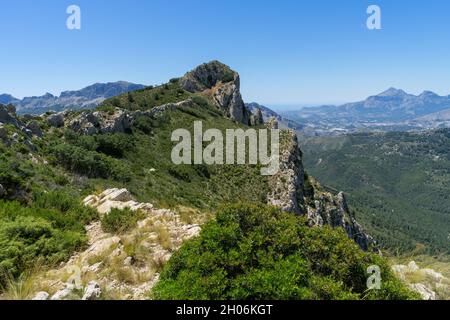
(293, 53)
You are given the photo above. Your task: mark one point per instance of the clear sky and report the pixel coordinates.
(287, 51)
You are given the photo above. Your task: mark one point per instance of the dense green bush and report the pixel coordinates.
(258, 252)
(114, 145)
(12, 176)
(47, 232)
(89, 163)
(118, 221)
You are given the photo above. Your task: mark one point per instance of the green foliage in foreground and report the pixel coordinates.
(118, 221)
(46, 232)
(259, 252)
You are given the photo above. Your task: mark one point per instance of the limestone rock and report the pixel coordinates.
(153, 240)
(424, 291)
(120, 121)
(56, 120)
(431, 285)
(8, 116)
(100, 246)
(63, 294)
(41, 296)
(224, 86)
(93, 291)
(286, 186)
(34, 128)
(412, 266)
(115, 199)
(287, 191)
(257, 118)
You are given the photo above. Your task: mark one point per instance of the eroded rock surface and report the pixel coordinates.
(223, 84)
(293, 191)
(430, 284)
(121, 266)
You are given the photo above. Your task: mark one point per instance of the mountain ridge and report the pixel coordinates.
(391, 110)
(87, 97)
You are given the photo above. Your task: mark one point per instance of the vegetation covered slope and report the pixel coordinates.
(397, 182)
(50, 163)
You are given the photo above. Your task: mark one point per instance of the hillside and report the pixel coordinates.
(397, 182)
(120, 240)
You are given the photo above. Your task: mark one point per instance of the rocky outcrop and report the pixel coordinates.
(92, 291)
(286, 187)
(223, 84)
(288, 192)
(57, 119)
(257, 118)
(328, 209)
(119, 121)
(7, 116)
(120, 266)
(115, 199)
(430, 284)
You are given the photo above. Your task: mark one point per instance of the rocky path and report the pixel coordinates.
(124, 266)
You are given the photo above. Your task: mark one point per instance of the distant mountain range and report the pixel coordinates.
(391, 110)
(85, 98)
(269, 113)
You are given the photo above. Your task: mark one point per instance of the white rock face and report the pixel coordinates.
(62, 294)
(412, 266)
(92, 291)
(425, 292)
(126, 264)
(427, 282)
(41, 296)
(115, 199)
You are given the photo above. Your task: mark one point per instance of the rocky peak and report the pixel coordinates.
(207, 76)
(223, 84)
(393, 92)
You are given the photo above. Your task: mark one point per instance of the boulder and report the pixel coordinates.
(56, 120)
(424, 291)
(63, 294)
(100, 246)
(34, 128)
(41, 296)
(257, 118)
(8, 117)
(413, 267)
(92, 291)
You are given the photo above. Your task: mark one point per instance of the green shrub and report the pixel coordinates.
(31, 235)
(119, 221)
(228, 77)
(89, 163)
(12, 176)
(114, 145)
(258, 252)
(143, 124)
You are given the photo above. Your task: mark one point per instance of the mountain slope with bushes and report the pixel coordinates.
(51, 162)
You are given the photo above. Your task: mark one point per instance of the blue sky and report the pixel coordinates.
(288, 52)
